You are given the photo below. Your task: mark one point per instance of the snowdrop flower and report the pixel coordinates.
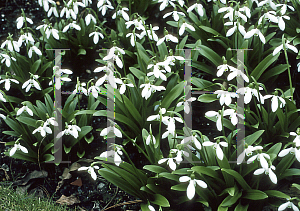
(270, 16)
(11, 45)
(123, 85)
(96, 36)
(236, 72)
(102, 2)
(293, 150)
(157, 72)
(17, 147)
(288, 204)
(184, 26)
(25, 108)
(233, 115)
(71, 130)
(86, 2)
(75, 5)
(133, 38)
(51, 121)
(80, 88)
(53, 32)
(2, 116)
(246, 10)
(151, 208)
(20, 21)
(59, 74)
(248, 92)
(7, 82)
(231, 13)
(94, 90)
(71, 25)
(275, 99)
(284, 8)
(116, 131)
(114, 54)
(151, 33)
(287, 45)
(69, 13)
(281, 23)
(247, 151)
(225, 96)
(269, 2)
(117, 152)
(217, 147)
(2, 97)
(7, 59)
(53, 9)
(174, 14)
(27, 37)
(171, 126)
(149, 138)
(255, 32)
(190, 192)
(267, 171)
(167, 37)
(214, 113)
(123, 13)
(31, 82)
(165, 119)
(179, 155)
(165, 3)
(297, 139)
(111, 79)
(35, 49)
(192, 139)
(236, 25)
(170, 162)
(90, 170)
(88, 19)
(186, 104)
(261, 157)
(149, 88)
(223, 68)
(197, 7)
(103, 8)
(138, 24)
(43, 130)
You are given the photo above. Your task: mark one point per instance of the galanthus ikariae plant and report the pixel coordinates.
(140, 53)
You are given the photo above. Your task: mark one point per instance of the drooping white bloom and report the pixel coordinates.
(7, 82)
(51, 121)
(233, 115)
(45, 4)
(292, 150)
(281, 23)
(167, 37)
(170, 162)
(90, 170)
(231, 13)
(219, 119)
(69, 13)
(248, 151)
(270, 16)
(223, 68)
(184, 26)
(179, 154)
(192, 139)
(2, 116)
(71, 25)
(35, 49)
(217, 147)
(11, 45)
(53, 9)
(198, 7)
(236, 25)
(133, 38)
(297, 139)
(25, 108)
(149, 88)
(165, 119)
(2, 97)
(255, 32)
(123, 85)
(158, 73)
(165, 3)
(27, 37)
(149, 138)
(17, 147)
(287, 45)
(7, 59)
(31, 82)
(150, 33)
(284, 8)
(71, 130)
(138, 24)
(43, 130)
(174, 14)
(88, 19)
(96, 36)
(261, 157)
(275, 99)
(103, 7)
(248, 92)
(117, 152)
(80, 88)
(114, 54)
(59, 74)
(116, 131)
(151, 208)
(288, 204)
(171, 126)
(190, 192)
(94, 90)
(21, 20)
(225, 96)
(186, 104)
(267, 171)
(123, 13)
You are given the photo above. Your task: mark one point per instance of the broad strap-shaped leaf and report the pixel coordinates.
(238, 178)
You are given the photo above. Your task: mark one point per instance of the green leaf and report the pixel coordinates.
(201, 83)
(230, 200)
(27, 121)
(155, 169)
(276, 193)
(290, 172)
(48, 157)
(14, 125)
(241, 207)
(263, 65)
(89, 140)
(136, 72)
(160, 200)
(179, 187)
(35, 66)
(274, 71)
(210, 55)
(207, 98)
(238, 178)
(81, 52)
(80, 155)
(169, 176)
(253, 137)
(255, 195)
(172, 95)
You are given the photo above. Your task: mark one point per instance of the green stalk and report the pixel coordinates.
(289, 71)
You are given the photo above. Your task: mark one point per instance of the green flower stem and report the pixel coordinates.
(289, 71)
